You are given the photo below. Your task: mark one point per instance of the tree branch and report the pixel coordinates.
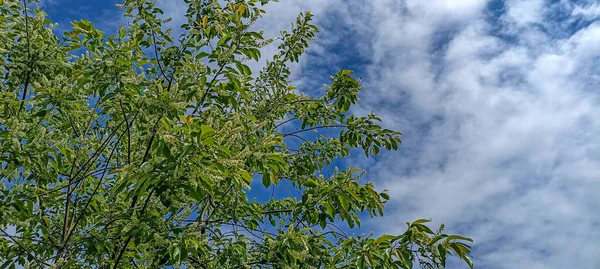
(208, 88)
(70, 189)
(118, 259)
(314, 128)
(158, 58)
(284, 122)
(70, 233)
(39, 262)
(300, 137)
(237, 41)
(128, 133)
(28, 71)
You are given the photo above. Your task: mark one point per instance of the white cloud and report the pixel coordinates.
(279, 16)
(589, 11)
(501, 119)
(500, 134)
(524, 12)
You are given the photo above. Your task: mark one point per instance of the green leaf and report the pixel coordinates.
(276, 158)
(322, 221)
(419, 221)
(7, 262)
(468, 261)
(423, 228)
(244, 69)
(458, 237)
(194, 193)
(207, 132)
(246, 176)
(456, 250)
(207, 184)
(344, 201)
(442, 253)
(438, 238)
(329, 209)
(202, 54)
(406, 258)
(147, 167)
(123, 125)
(266, 180)
(121, 183)
(176, 253)
(142, 184)
(250, 117)
(384, 238)
(310, 183)
(360, 263)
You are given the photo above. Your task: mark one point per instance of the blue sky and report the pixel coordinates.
(498, 101)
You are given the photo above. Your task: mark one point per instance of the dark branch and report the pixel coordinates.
(28, 71)
(128, 133)
(70, 233)
(39, 262)
(284, 122)
(314, 128)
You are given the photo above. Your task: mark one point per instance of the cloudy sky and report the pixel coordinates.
(499, 103)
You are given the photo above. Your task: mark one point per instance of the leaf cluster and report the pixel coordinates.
(142, 150)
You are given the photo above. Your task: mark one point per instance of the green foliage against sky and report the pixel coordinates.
(138, 150)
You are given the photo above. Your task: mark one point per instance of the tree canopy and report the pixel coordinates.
(141, 149)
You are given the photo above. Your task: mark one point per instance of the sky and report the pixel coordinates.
(499, 103)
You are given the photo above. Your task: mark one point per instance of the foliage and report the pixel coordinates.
(139, 150)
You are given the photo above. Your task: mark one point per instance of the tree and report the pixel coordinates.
(138, 150)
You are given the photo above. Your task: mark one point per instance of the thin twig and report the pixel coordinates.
(75, 182)
(36, 259)
(158, 58)
(28, 71)
(221, 67)
(297, 136)
(93, 193)
(314, 128)
(30, 239)
(128, 134)
(82, 138)
(284, 122)
(118, 259)
(199, 104)
(70, 189)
